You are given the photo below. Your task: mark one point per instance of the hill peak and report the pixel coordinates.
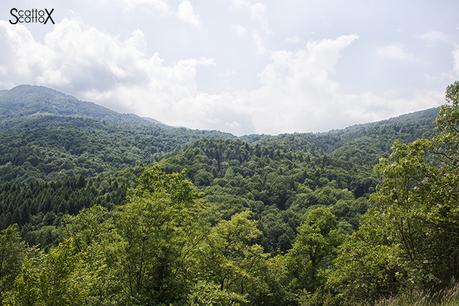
(32, 100)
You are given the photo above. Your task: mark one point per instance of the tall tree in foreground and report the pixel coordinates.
(12, 252)
(162, 225)
(410, 236)
(312, 252)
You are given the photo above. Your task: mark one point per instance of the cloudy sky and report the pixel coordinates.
(241, 66)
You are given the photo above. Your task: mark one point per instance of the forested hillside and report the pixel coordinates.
(113, 209)
(45, 135)
(59, 154)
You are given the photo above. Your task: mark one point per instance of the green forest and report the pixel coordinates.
(102, 208)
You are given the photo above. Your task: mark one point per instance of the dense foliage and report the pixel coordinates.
(409, 238)
(46, 135)
(295, 219)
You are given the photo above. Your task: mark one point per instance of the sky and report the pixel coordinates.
(240, 66)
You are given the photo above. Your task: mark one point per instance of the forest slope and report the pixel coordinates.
(59, 155)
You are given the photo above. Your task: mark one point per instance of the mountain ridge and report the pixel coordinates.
(31, 100)
(88, 109)
(46, 134)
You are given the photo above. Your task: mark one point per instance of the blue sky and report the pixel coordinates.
(241, 66)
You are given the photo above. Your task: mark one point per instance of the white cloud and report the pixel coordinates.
(296, 91)
(433, 37)
(394, 52)
(185, 13)
(97, 66)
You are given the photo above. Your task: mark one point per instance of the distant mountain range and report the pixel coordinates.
(46, 134)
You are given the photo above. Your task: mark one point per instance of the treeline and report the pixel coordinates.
(52, 147)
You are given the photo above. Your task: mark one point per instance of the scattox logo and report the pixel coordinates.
(31, 16)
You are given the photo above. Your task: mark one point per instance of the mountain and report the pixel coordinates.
(45, 134)
(361, 144)
(37, 101)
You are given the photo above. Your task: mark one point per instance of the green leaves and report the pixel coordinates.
(12, 252)
(410, 237)
(211, 294)
(231, 258)
(312, 252)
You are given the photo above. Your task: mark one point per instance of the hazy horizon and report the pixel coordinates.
(240, 66)
(234, 134)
